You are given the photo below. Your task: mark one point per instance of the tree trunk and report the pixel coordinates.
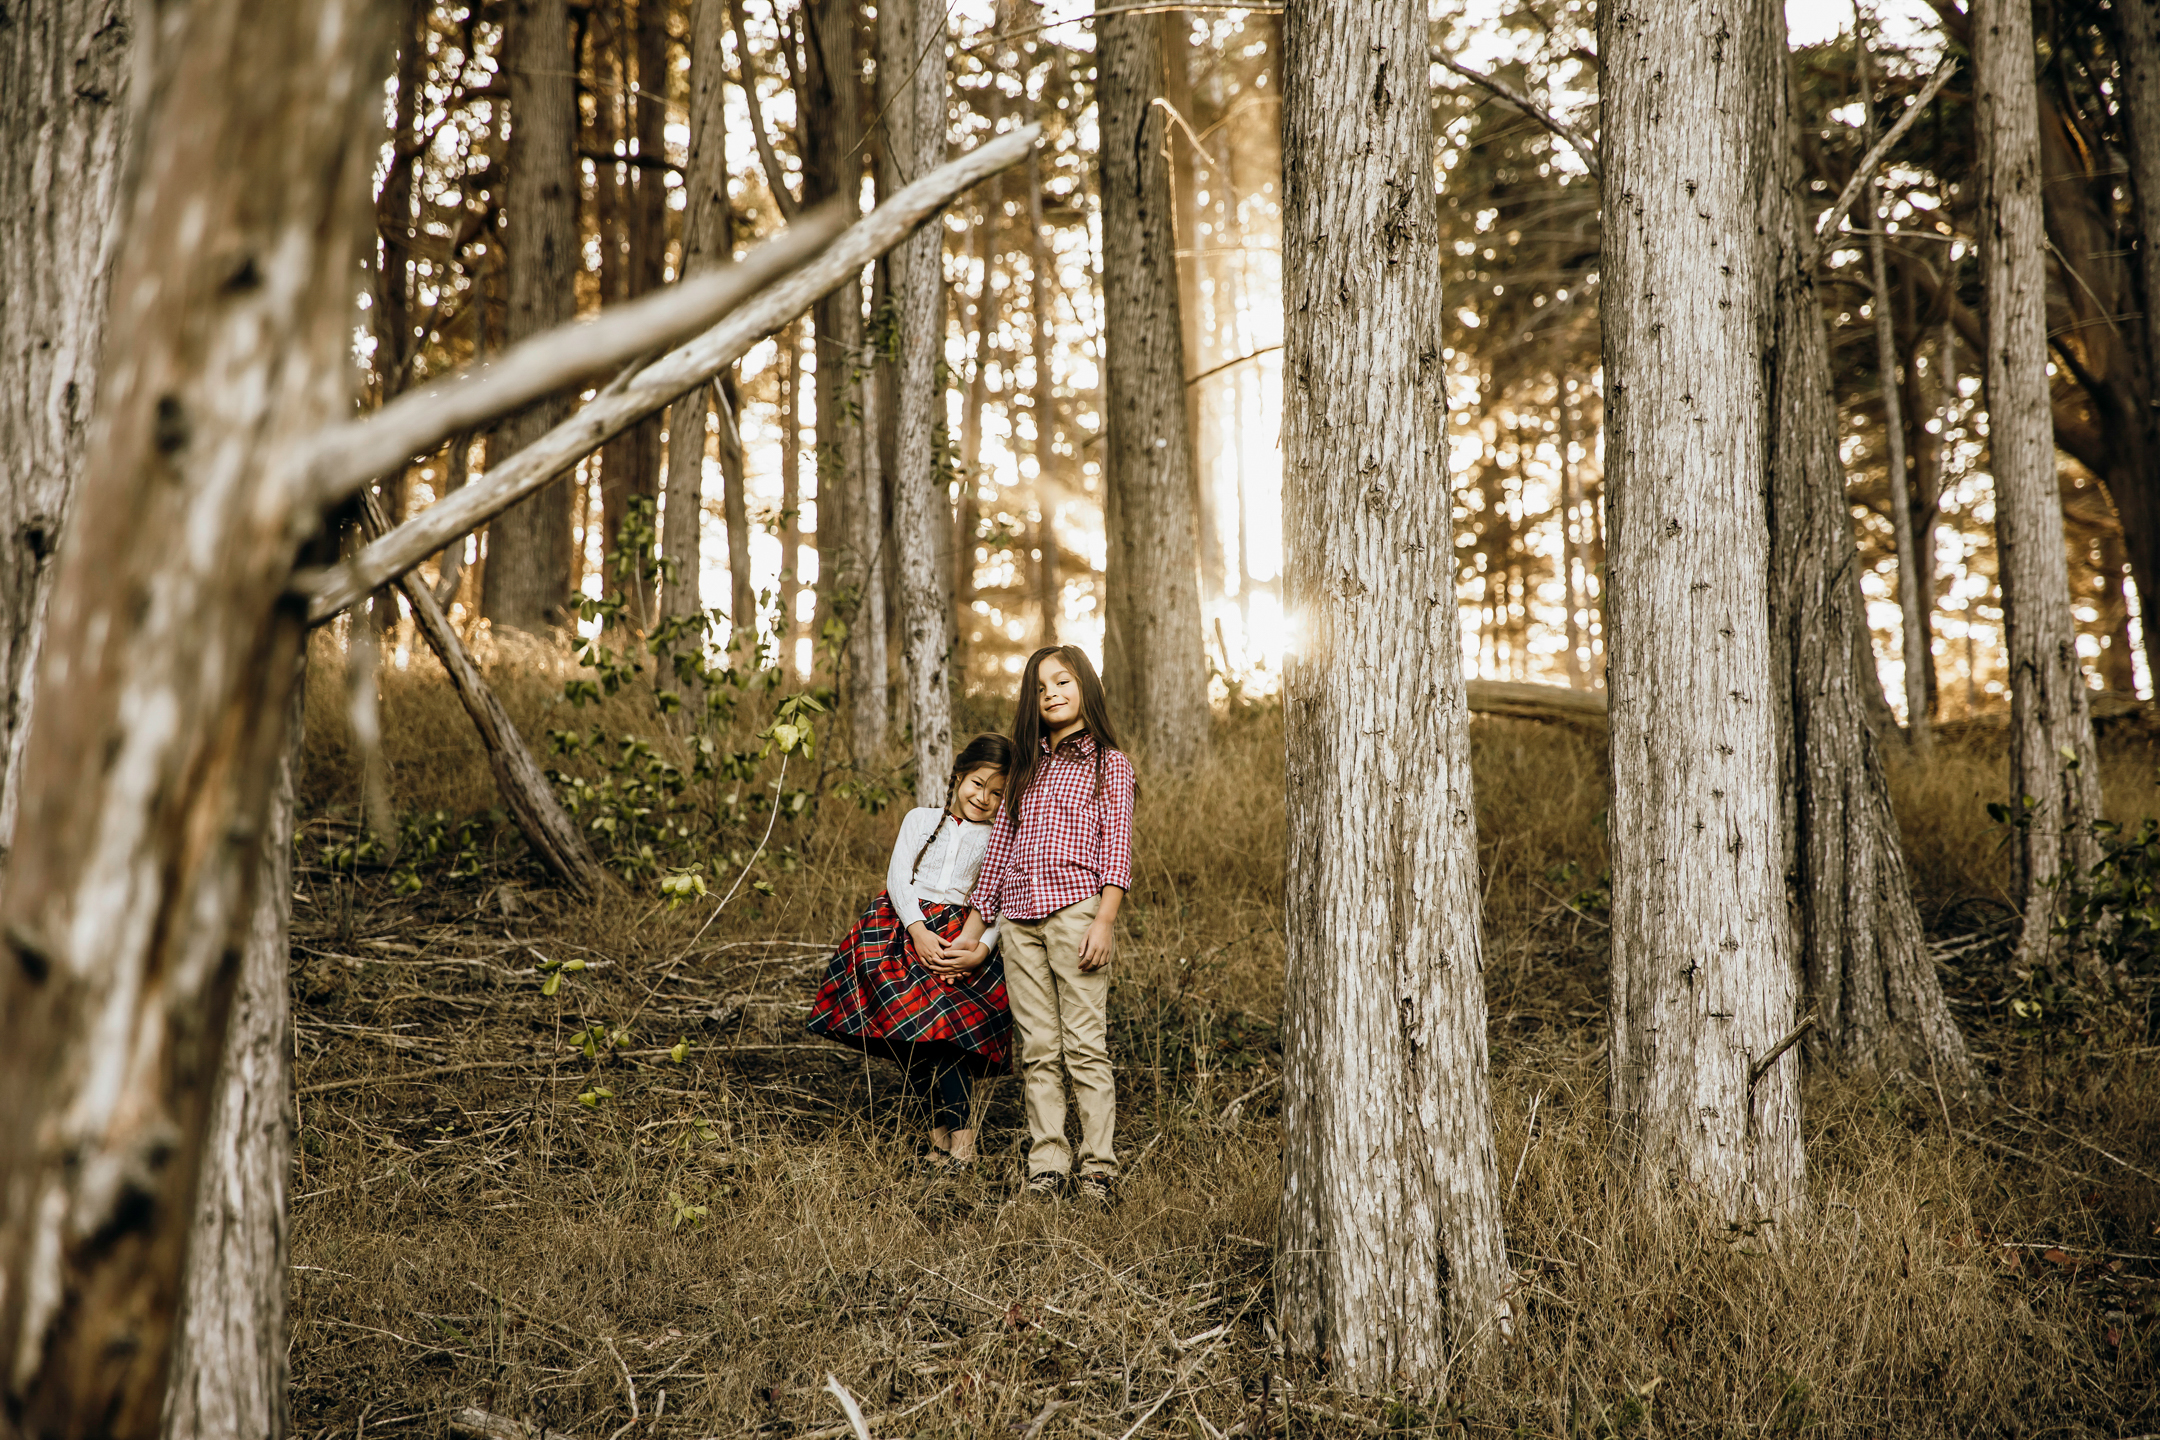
(708, 240)
(2138, 47)
(1702, 973)
(229, 1365)
(849, 503)
(1915, 631)
(1185, 160)
(527, 582)
(911, 82)
(1042, 413)
(967, 514)
(1389, 1257)
(791, 535)
(2054, 778)
(1152, 647)
(1864, 963)
(2116, 671)
(64, 82)
(735, 506)
(158, 726)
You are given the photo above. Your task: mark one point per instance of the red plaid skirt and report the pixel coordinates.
(878, 996)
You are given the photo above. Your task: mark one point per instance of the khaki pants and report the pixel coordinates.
(1062, 1014)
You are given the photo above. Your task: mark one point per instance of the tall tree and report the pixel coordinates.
(64, 82)
(1152, 647)
(2054, 777)
(1390, 1255)
(1042, 401)
(1916, 631)
(158, 725)
(850, 503)
(1702, 974)
(1186, 160)
(708, 239)
(1864, 961)
(527, 581)
(229, 1363)
(911, 84)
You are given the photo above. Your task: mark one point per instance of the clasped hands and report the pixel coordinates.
(951, 959)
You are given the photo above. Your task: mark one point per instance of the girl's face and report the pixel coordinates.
(1057, 691)
(980, 793)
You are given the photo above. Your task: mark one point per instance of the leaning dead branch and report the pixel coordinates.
(350, 455)
(1584, 147)
(1521, 701)
(547, 828)
(655, 386)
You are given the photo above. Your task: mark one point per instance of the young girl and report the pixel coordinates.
(904, 984)
(1058, 865)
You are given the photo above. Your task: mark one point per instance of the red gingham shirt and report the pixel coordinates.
(1070, 844)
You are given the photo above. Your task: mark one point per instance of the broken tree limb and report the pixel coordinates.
(352, 454)
(656, 385)
(1554, 703)
(1826, 231)
(553, 835)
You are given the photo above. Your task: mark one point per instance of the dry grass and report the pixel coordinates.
(732, 1228)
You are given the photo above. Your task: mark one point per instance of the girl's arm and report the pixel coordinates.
(970, 949)
(1100, 941)
(900, 883)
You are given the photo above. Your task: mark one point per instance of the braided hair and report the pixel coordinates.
(981, 753)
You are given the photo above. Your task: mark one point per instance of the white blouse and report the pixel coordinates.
(947, 873)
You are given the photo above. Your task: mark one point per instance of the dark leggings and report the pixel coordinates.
(937, 1075)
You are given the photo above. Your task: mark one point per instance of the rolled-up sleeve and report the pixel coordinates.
(989, 892)
(1117, 807)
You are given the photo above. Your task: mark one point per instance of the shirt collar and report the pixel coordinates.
(1082, 743)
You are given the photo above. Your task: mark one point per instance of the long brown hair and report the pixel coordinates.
(1027, 734)
(981, 753)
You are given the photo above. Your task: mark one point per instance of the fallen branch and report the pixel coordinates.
(848, 1406)
(479, 1425)
(1553, 703)
(348, 456)
(1847, 197)
(653, 388)
(551, 833)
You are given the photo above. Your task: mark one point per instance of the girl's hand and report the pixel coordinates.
(1098, 944)
(928, 948)
(961, 960)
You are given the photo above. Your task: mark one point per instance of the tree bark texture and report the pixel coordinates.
(2054, 778)
(2138, 56)
(850, 505)
(229, 1359)
(1185, 163)
(162, 706)
(1152, 647)
(1389, 1260)
(708, 240)
(1702, 973)
(911, 82)
(64, 83)
(1864, 964)
(528, 580)
(1042, 414)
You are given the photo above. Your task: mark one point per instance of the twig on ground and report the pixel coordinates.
(2017, 1154)
(1230, 1111)
(628, 1384)
(433, 1073)
(2080, 1140)
(480, 1425)
(848, 1406)
(1529, 1133)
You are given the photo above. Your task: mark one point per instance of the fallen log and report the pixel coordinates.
(480, 1425)
(653, 388)
(547, 828)
(1553, 703)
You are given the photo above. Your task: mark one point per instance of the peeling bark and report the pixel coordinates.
(911, 79)
(64, 96)
(1389, 1257)
(162, 704)
(2054, 775)
(1702, 966)
(1154, 658)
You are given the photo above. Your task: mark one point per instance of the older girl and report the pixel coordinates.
(1058, 866)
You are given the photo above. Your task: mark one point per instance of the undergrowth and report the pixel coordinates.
(628, 1183)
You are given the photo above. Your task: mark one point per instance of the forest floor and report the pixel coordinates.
(685, 1226)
